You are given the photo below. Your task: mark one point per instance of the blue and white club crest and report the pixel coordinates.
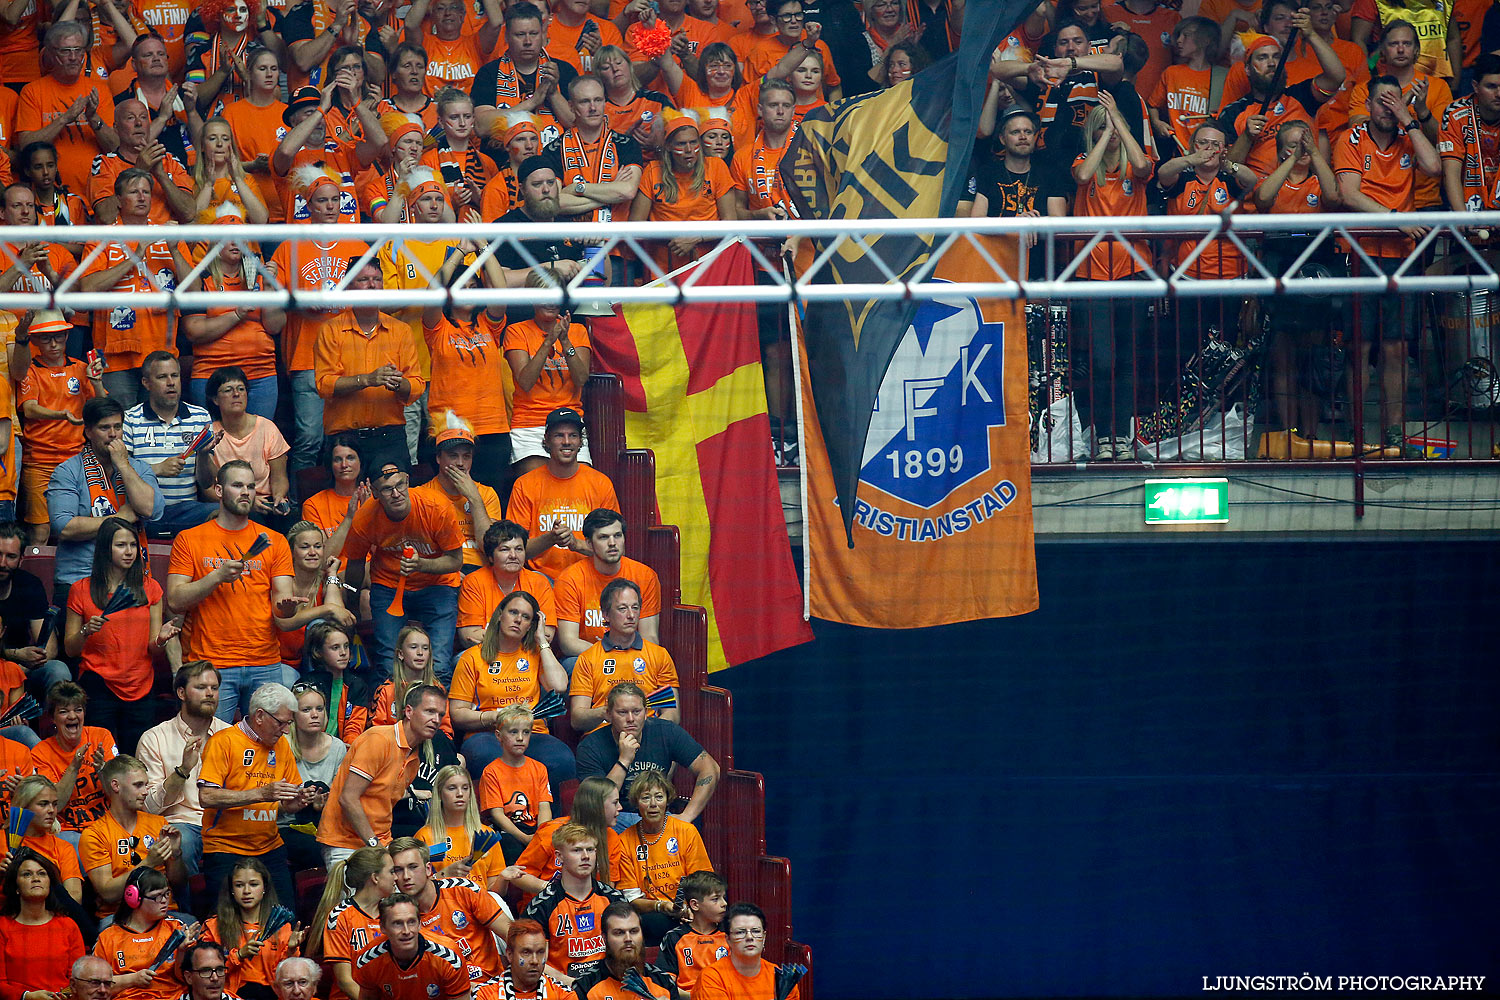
(944, 390)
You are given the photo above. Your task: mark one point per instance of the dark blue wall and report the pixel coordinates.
(1196, 759)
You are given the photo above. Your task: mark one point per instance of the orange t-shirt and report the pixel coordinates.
(722, 981)
(462, 913)
(258, 968)
(52, 442)
(348, 933)
(688, 954)
(87, 801)
(1303, 198)
(247, 344)
(623, 118)
(468, 367)
(105, 842)
(429, 527)
(465, 516)
(451, 64)
(540, 500)
(43, 100)
(599, 669)
(1221, 258)
(1155, 29)
(515, 791)
(126, 334)
(233, 626)
(578, 588)
(1428, 191)
(1119, 195)
(439, 972)
(744, 121)
(52, 847)
(575, 932)
(457, 843)
(562, 39)
(390, 765)
(656, 866)
(480, 595)
(108, 166)
(509, 679)
(169, 18)
(1181, 99)
(1386, 175)
(127, 951)
(554, 384)
(702, 206)
(320, 266)
(120, 652)
(766, 53)
(756, 170)
(257, 132)
(20, 49)
(236, 761)
(499, 195)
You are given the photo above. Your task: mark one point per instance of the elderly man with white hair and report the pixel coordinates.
(91, 978)
(248, 775)
(296, 979)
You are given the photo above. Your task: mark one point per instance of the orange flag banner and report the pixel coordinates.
(942, 521)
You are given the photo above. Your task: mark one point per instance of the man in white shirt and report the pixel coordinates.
(173, 752)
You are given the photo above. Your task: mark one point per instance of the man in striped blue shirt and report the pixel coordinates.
(158, 432)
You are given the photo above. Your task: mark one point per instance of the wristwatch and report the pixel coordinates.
(578, 187)
(373, 842)
(184, 775)
(570, 352)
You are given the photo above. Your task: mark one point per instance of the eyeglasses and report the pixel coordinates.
(789, 18)
(390, 489)
(283, 723)
(97, 984)
(215, 970)
(162, 896)
(748, 932)
(70, 51)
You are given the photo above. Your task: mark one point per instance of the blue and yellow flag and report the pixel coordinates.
(885, 155)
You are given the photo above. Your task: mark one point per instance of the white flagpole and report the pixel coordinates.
(791, 323)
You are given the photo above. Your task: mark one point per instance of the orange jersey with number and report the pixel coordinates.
(236, 761)
(462, 913)
(105, 842)
(438, 972)
(348, 933)
(127, 951)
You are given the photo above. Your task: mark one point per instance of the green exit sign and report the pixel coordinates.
(1187, 501)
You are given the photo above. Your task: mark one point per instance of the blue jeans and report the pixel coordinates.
(180, 516)
(123, 386)
(24, 735)
(307, 408)
(236, 684)
(44, 675)
(435, 607)
(192, 847)
(483, 748)
(7, 510)
(263, 395)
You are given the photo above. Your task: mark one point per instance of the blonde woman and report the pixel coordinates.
(219, 176)
(348, 916)
(452, 823)
(39, 795)
(1111, 176)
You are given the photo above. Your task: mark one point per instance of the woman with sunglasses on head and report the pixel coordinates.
(313, 576)
(318, 755)
(38, 941)
(116, 667)
(140, 931)
(249, 438)
(329, 654)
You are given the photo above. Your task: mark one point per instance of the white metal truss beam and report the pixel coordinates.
(1063, 244)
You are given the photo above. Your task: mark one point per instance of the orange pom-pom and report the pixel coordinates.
(652, 41)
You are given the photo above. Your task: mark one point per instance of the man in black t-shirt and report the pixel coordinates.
(631, 743)
(1008, 183)
(541, 201)
(23, 606)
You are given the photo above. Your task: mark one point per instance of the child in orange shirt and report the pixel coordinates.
(245, 903)
(688, 949)
(513, 790)
(451, 828)
(50, 401)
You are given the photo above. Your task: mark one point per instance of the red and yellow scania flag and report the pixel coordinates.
(695, 395)
(942, 523)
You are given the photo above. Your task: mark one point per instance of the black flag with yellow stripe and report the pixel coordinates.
(884, 155)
